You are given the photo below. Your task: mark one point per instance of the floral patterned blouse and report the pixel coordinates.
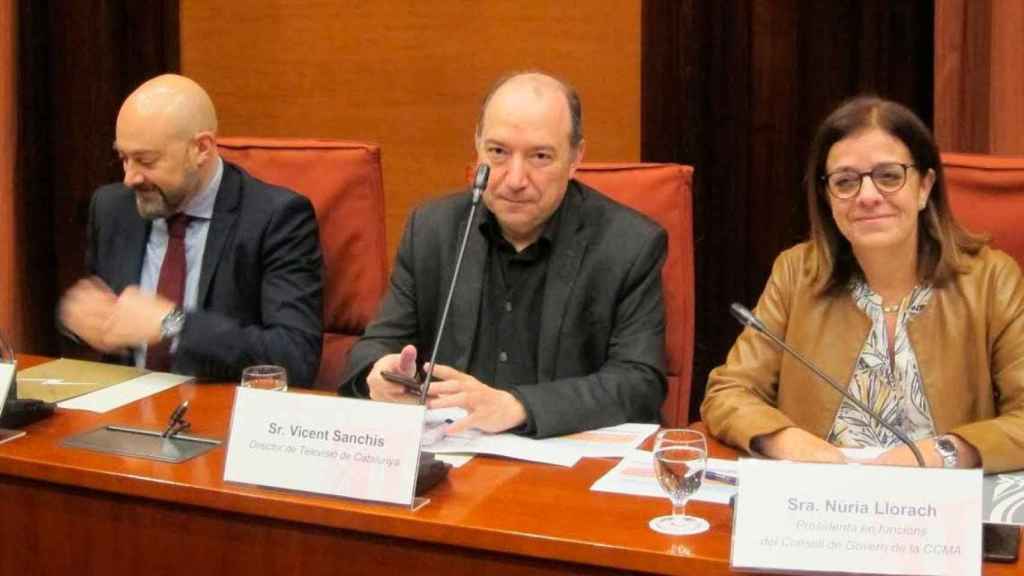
(889, 385)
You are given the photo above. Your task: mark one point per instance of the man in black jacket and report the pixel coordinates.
(197, 267)
(557, 324)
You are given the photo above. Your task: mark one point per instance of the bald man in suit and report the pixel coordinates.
(248, 289)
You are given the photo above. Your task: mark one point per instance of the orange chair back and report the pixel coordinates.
(663, 192)
(986, 194)
(343, 181)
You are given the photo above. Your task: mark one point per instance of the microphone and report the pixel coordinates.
(17, 412)
(747, 318)
(431, 470)
(483, 173)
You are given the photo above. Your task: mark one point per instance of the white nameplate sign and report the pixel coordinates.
(6, 378)
(325, 444)
(839, 518)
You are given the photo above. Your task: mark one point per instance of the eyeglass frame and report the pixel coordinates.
(860, 179)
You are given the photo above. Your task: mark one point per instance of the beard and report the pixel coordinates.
(152, 202)
(155, 202)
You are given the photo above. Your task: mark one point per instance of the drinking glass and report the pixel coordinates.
(680, 456)
(266, 377)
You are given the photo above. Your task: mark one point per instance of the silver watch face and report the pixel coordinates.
(947, 450)
(172, 324)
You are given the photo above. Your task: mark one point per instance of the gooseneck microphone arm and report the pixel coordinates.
(483, 173)
(747, 318)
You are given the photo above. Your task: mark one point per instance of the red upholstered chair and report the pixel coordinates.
(664, 193)
(344, 182)
(986, 194)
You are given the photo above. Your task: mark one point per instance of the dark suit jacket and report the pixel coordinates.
(601, 344)
(260, 285)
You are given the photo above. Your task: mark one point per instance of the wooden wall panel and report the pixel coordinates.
(409, 75)
(979, 76)
(1006, 113)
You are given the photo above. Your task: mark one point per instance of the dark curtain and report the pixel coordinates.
(76, 63)
(736, 89)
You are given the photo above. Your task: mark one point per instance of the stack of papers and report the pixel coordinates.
(65, 378)
(119, 395)
(93, 386)
(614, 442)
(610, 442)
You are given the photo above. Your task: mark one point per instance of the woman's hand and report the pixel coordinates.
(798, 445)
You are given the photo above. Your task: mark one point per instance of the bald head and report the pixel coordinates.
(174, 102)
(166, 138)
(537, 86)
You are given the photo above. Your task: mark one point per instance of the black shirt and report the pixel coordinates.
(505, 349)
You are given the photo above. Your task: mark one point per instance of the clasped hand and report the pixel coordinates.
(489, 409)
(108, 322)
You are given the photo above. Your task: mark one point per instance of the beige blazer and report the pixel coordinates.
(969, 342)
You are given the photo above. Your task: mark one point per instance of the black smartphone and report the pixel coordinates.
(1000, 542)
(413, 384)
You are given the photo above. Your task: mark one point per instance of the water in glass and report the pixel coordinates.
(680, 457)
(265, 377)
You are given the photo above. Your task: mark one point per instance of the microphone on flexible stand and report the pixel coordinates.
(747, 318)
(483, 173)
(431, 470)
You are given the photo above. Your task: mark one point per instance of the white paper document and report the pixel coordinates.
(613, 441)
(635, 475)
(610, 442)
(124, 393)
(508, 445)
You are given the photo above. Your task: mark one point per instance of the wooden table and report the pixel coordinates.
(68, 511)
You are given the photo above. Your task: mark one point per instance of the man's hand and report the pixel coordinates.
(381, 389)
(490, 409)
(136, 319)
(798, 445)
(85, 310)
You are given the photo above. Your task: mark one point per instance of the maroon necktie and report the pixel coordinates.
(171, 286)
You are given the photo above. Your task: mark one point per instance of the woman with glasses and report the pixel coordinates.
(918, 318)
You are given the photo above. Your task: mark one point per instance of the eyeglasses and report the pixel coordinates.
(888, 179)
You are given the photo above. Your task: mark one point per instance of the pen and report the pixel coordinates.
(721, 477)
(177, 423)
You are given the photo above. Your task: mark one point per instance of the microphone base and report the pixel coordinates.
(430, 473)
(22, 412)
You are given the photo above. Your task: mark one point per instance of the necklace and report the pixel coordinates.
(892, 309)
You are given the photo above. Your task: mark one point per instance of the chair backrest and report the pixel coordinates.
(664, 193)
(343, 180)
(986, 194)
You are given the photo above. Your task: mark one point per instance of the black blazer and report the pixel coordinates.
(601, 344)
(260, 285)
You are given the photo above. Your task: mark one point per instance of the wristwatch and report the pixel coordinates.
(172, 324)
(947, 451)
